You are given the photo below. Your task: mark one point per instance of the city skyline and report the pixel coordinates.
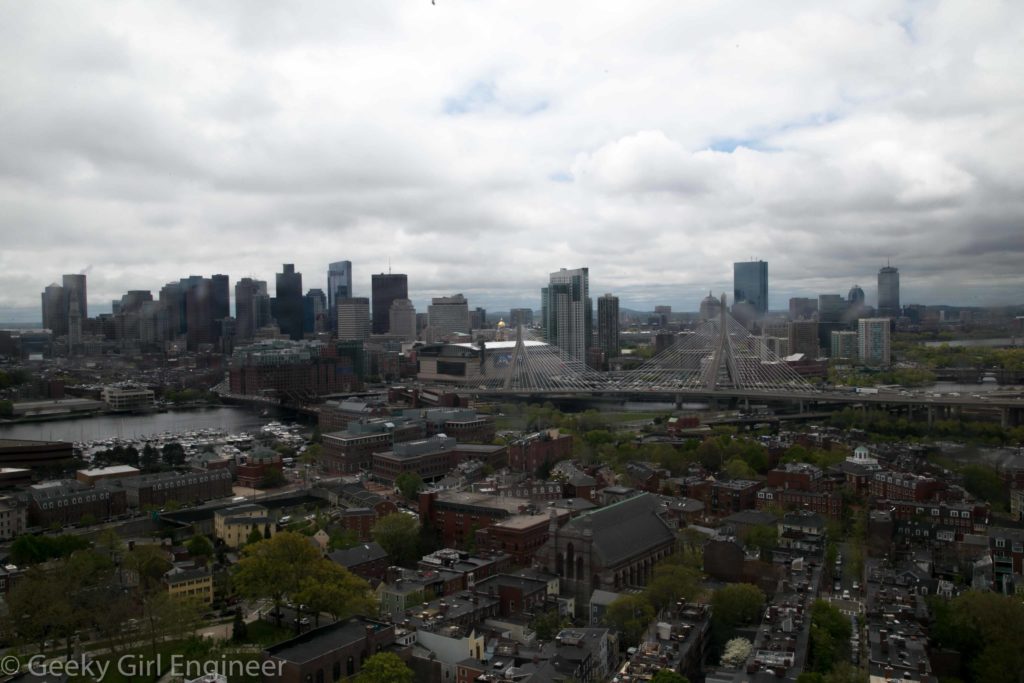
(656, 144)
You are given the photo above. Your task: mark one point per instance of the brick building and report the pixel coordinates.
(259, 463)
(351, 451)
(796, 475)
(458, 515)
(904, 486)
(521, 536)
(71, 502)
(722, 498)
(293, 368)
(156, 490)
(530, 452)
(329, 653)
(826, 503)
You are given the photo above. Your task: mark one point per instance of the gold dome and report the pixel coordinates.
(501, 323)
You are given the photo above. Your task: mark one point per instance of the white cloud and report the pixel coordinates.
(482, 145)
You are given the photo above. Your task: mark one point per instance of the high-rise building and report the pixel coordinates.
(448, 315)
(287, 306)
(403, 319)
(520, 316)
(663, 314)
(339, 286)
(246, 291)
(55, 318)
(478, 318)
(889, 292)
(802, 308)
(873, 343)
(844, 345)
(831, 308)
(201, 327)
(385, 288)
(856, 296)
(608, 326)
(220, 290)
(803, 337)
(750, 284)
(568, 312)
(75, 289)
(353, 319)
(314, 311)
(74, 327)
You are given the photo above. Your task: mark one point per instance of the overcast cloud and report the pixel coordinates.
(480, 145)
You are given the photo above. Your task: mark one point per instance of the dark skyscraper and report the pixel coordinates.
(220, 290)
(608, 325)
(339, 286)
(246, 314)
(55, 317)
(386, 287)
(288, 301)
(888, 292)
(750, 284)
(74, 288)
(314, 311)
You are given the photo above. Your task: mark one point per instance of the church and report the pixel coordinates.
(611, 548)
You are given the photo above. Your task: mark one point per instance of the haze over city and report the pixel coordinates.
(481, 146)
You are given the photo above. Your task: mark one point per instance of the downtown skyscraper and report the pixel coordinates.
(339, 286)
(608, 325)
(750, 284)
(288, 301)
(385, 288)
(568, 312)
(889, 292)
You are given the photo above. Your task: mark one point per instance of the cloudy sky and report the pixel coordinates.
(478, 145)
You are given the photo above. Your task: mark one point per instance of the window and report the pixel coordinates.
(1000, 542)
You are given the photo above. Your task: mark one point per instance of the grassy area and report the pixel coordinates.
(265, 633)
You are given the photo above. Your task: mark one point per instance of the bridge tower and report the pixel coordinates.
(723, 354)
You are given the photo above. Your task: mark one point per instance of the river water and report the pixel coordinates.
(226, 418)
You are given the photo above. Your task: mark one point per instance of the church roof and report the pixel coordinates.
(625, 529)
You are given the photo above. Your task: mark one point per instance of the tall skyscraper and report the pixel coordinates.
(74, 288)
(873, 343)
(220, 290)
(520, 316)
(339, 286)
(246, 291)
(608, 325)
(55, 318)
(889, 292)
(569, 312)
(402, 319)
(803, 338)
(844, 345)
(314, 311)
(74, 327)
(448, 315)
(750, 284)
(385, 288)
(802, 308)
(353, 319)
(287, 307)
(831, 308)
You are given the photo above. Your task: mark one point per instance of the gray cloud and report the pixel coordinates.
(480, 146)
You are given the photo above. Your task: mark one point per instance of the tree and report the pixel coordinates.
(985, 628)
(6, 408)
(173, 454)
(200, 546)
(254, 537)
(668, 676)
(764, 538)
(737, 468)
(311, 455)
(331, 588)
(385, 667)
(409, 484)
(670, 583)
(547, 624)
(274, 568)
(399, 535)
(983, 482)
(272, 478)
(150, 563)
(830, 630)
(630, 615)
(736, 653)
(149, 459)
(734, 605)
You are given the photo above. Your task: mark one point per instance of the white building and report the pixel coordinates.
(127, 398)
(448, 315)
(873, 342)
(353, 318)
(568, 311)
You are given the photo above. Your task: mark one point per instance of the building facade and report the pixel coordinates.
(873, 341)
(889, 292)
(568, 315)
(750, 284)
(385, 288)
(608, 325)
